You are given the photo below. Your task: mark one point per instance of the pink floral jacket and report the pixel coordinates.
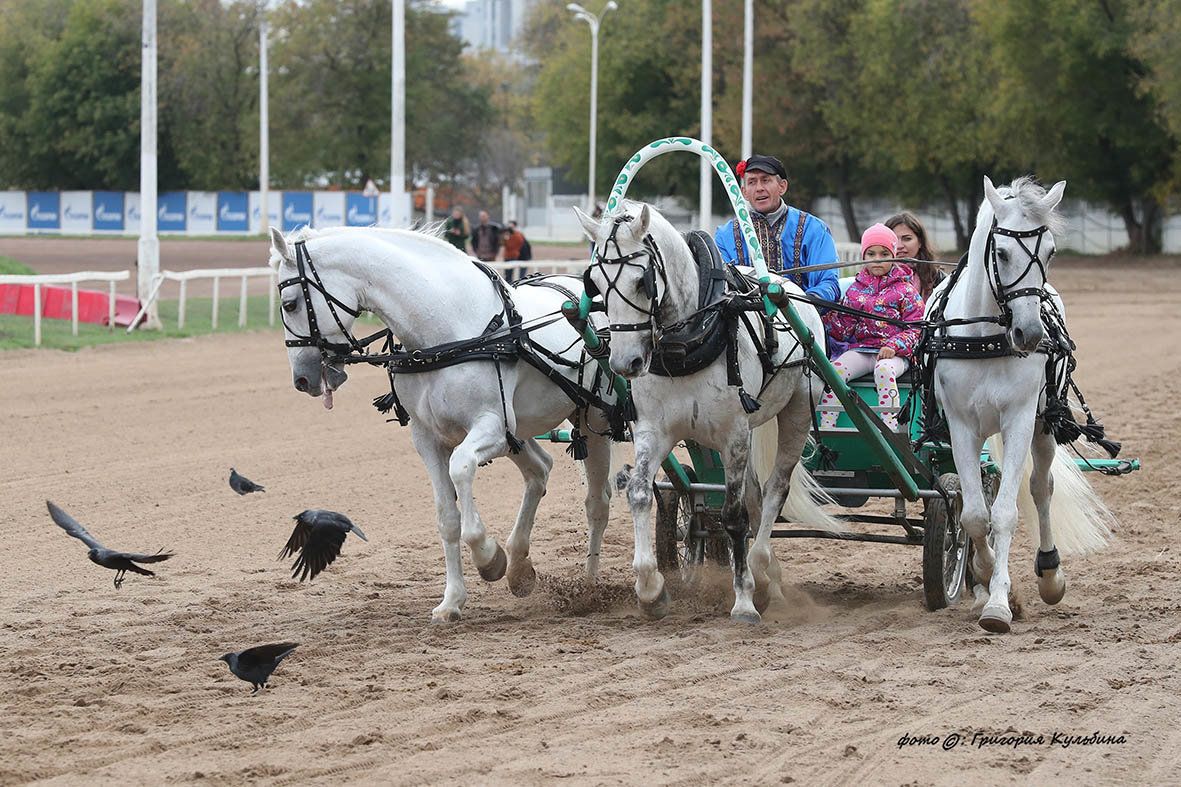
(891, 296)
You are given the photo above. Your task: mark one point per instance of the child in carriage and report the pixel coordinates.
(882, 289)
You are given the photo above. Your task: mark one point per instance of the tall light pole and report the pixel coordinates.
(264, 140)
(149, 243)
(707, 111)
(748, 68)
(593, 21)
(399, 216)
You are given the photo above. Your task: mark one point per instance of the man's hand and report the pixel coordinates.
(886, 352)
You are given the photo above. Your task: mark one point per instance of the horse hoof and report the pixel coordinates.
(655, 610)
(752, 618)
(496, 567)
(441, 616)
(762, 599)
(522, 582)
(996, 619)
(1052, 587)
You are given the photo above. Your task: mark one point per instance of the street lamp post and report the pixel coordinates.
(593, 21)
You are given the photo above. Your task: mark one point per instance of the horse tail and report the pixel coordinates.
(1081, 522)
(805, 496)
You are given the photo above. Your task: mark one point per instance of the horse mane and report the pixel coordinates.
(657, 223)
(431, 233)
(1029, 193)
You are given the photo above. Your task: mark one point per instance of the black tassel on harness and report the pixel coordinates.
(514, 445)
(1059, 421)
(390, 402)
(749, 403)
(577, 448)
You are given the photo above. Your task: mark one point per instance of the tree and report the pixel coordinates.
(1074, 101)
(1157, 29)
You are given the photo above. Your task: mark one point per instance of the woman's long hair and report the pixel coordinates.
(927, 273)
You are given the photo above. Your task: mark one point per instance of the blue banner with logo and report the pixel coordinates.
(297, 209)
(170, 217)
(232, 211)
(108, 210)
(360, 211)
(44, 210)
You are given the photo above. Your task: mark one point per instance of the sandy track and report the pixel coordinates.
(136, 441)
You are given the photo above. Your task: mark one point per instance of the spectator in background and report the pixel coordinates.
(486, 238)
(913, 244)
(515, 248)
(457, 229)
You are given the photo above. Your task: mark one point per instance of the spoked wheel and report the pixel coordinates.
(945, 547)
(687, 537)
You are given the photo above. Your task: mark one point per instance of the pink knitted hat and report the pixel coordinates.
(879, 235)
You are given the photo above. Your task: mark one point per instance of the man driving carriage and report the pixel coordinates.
(789, 237)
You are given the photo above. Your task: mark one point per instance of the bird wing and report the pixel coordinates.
(265, 654)
(322, 547)
(156, 558)
(299, 537)
(71, 526)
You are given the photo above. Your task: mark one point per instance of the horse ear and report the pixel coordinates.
(1053, 196)
(644, 218)
(279, 243)
(993, 196)
(589, 225)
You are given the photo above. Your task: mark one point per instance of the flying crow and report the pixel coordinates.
(122, 562)
(318, 536)
(255, 665)
(243, 485)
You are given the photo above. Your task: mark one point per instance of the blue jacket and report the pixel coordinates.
(817, 248)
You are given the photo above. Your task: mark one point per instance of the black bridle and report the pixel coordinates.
(1004, 293)
(651, 269)
(303, 262)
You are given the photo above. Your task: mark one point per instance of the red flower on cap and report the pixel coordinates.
(740, 170)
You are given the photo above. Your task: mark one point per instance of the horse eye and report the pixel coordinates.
(1002, 255)
(290, 306)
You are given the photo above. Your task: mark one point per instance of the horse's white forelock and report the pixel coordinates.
(1029, 194)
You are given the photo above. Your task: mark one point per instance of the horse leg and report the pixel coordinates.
(736, 520)
(974, 513)
(652, 595)
(997, 615)
(1051, 581)
(598, 499)
(434, 456)
(792, 422)
(534, 464)
(484, 442)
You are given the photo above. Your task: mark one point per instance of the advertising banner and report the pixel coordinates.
(13, 207)
(232, 213)
(44, 210)
(108, 211)
(329, 208)
(170, 215)
(131, 212)
(297, 209)
(360, 211)
(202, 212)
(257, 226)
(76, 207)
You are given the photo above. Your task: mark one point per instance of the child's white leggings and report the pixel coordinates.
(853, 364)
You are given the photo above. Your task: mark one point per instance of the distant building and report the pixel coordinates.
(491, 24)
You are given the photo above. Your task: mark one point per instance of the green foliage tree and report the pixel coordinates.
(1154, 42)
(1074, 106)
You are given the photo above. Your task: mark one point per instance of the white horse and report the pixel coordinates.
(1005, 274)
(649, 280)
(462, 416)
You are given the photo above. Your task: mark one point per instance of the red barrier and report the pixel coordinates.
(56, 303)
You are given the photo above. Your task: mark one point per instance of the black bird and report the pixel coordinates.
(318, 536)
(243, 485)
(255, 665)
(122, 562)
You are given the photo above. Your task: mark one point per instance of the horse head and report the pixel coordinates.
(319, 307)
(1021, 244)
(640, 291)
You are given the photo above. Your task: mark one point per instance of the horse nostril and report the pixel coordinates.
(301, 384)
(636, 364)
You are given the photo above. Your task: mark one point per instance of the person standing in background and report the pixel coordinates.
(515, 248)
(486, 238)
(457, 229)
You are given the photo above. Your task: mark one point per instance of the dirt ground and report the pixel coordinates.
(136, 440)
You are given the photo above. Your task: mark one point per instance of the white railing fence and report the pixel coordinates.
(71, 279)
(217, 274)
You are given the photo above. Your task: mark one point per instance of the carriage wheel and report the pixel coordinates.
(679, 545)
(945, 547)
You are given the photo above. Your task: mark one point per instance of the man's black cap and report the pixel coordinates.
(768, 164)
